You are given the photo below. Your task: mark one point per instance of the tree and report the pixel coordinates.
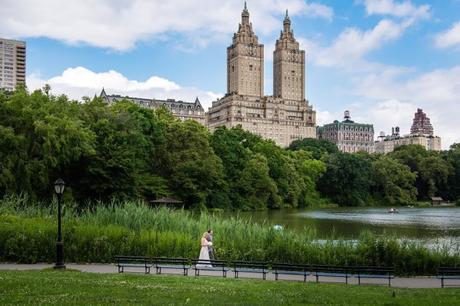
(347, 180)
(318, 147)
(393, 182)
(257, 186)
(431, 169)
(283, 171)
(453, 186)
(45, 136)
(310, 170)
(194, 171)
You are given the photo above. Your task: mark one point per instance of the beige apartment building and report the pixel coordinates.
(431, 143)
(12, 63)
(421, 133)
(180, 109)
(283, 117)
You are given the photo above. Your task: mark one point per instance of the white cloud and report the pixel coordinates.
(404, 9)
(120, 24)
(449, 38)
(392, 102)
(79, 81)
(325, 117)
(352, 44)
(319, 10)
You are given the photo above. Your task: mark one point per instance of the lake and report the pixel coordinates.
(429, 225)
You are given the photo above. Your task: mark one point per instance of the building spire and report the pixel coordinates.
(287, 23)
(245, 15)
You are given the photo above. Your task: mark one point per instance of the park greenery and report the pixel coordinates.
(115, 158)
(126, 152)
(72, 287)
(97, 234)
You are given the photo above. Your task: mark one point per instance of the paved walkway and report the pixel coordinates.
(401, 282)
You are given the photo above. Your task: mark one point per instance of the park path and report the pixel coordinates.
(400, 282)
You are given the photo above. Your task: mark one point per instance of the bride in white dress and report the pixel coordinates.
(204, 252)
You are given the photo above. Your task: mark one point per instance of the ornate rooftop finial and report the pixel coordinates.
(287, 23)
(245, 14)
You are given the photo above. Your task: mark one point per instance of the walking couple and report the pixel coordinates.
(207, 251)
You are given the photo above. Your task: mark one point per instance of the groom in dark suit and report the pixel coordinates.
(210, 247)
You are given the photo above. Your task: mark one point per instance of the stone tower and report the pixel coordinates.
(288, 66)
(245, 61)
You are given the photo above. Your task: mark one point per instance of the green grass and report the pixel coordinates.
(76, 288)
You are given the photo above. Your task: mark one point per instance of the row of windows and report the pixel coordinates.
(349, 128)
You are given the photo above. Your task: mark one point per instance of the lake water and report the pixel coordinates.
(429, 225)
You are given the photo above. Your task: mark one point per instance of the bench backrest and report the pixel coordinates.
(170, 261)
(372, 270)
(291, 267)
(331, 269)
(250, 264)
(213, 262)
(449, 270)
(131, 259)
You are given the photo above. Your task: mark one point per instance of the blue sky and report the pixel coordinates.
(381, 59)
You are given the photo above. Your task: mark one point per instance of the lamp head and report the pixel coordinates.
(59, 185)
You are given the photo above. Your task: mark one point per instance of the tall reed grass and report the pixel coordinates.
(28, 234)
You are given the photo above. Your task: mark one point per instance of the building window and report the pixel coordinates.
(233, 68)
(250, 67)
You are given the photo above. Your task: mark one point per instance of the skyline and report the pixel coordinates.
(380, 59)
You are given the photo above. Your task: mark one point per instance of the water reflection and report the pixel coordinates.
(426, 224)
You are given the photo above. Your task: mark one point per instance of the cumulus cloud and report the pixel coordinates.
(392, 101)
(119, 25)
(353, 44)
(79, 81)
(318, 10)
(449, 38)
(404, 9)
(349, 49)
(325, 117)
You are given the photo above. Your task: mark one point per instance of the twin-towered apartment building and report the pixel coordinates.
(283, 117)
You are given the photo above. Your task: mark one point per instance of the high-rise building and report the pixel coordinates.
(288, 66)
(348, 135)
(245, 61)
(283, 117)
(12, 63)
(421, 133)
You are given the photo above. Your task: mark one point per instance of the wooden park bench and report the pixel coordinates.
(448, 273)
(171, 263)
(331, 271)
(132, 262)
(209, 265)
(291, 269)
(250, 267)
(373, 272)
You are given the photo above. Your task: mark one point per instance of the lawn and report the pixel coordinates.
(73, 287)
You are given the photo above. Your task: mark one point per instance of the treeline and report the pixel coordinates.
(124, 151)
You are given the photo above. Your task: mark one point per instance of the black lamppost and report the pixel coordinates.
(59, 188)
